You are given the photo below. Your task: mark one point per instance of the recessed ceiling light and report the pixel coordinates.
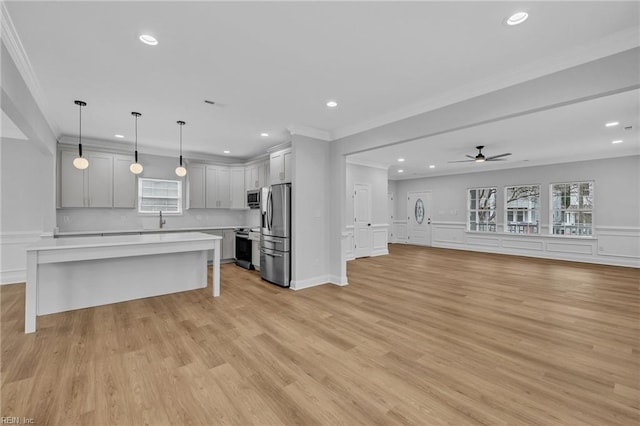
(617, 141)
(147, 39)
(119, 136)
(264, 134)
(517, 18)
(227, 151)
(400, 160)
(432, 166)
(400, 171)
(612, 124)
(332, 104)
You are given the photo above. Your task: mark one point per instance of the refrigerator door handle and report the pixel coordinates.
(270, 210)
(270, 254)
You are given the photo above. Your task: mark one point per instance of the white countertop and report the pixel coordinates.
(121, 240)
(146, 231)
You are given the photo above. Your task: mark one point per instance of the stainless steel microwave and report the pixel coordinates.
(253, 198)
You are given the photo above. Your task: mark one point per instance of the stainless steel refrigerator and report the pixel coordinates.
(275, 235)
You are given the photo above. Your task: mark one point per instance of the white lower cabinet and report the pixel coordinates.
(227, 245)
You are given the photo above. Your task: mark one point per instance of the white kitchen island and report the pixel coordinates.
(74, 273)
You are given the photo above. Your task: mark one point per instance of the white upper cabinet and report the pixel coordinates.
(91, 187)
(238, 193)
(124, 182)
(256, 175)
(100, 179)
(197, 185)
(280, 166)
(72, 186)
(217, 187)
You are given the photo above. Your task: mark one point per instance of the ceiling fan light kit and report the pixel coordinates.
(481, 158)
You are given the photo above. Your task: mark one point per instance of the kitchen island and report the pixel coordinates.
(74, 273)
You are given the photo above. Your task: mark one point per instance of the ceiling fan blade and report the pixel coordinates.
(463, 161)
(496, 159)
(470, 156)
(493, 157)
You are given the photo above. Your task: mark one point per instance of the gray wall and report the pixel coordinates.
(27, 177)
(311, 211)
(617, 189)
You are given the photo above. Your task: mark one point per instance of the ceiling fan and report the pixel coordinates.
(480, 158)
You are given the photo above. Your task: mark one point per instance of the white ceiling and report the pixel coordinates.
(564, 134)
(273, 65)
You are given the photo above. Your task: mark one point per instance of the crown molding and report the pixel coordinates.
(118, 147)
(364, 163)
(615, 43)
(14, 46)
(311, 132)
(279, 147)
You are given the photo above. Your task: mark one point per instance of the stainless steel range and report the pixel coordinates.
(243, 248)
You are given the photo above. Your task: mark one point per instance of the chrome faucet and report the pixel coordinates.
(162, 221)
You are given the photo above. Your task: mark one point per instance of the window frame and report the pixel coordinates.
(470, 210)
(538, 225)
(140, 197)
(591, 210)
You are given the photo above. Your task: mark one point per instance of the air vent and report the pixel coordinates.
(207, 101)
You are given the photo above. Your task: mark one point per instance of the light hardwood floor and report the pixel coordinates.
(422, 336)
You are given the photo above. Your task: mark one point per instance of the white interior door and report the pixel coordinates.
(419, 218)
(362, 219)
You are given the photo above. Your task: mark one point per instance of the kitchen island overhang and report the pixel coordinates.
(74, 273)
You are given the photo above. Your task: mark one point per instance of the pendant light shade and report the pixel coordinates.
(135, 167)
(80, 162)
(180, 170)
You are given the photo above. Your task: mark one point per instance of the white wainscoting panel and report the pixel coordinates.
(348, 243)
(611, 245)
(448, 233)
(570, 247)
(13, 246)
(380, 232)
(399, 231)
(522, 244)
(618, 241)
(483, 241)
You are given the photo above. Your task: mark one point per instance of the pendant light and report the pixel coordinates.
(80, 162)
(135, 167)
(180, 170)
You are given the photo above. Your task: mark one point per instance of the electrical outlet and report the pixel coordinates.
(67, 219)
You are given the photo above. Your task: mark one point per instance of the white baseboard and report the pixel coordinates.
(309, 282)
(13, 277)
(380, 252)
(340, 281)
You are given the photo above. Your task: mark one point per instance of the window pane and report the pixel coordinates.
(157, 195)
(571, 208)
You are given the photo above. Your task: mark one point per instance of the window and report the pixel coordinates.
(572, 208)
(482, 209)
(156, 195)
(522, 209)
